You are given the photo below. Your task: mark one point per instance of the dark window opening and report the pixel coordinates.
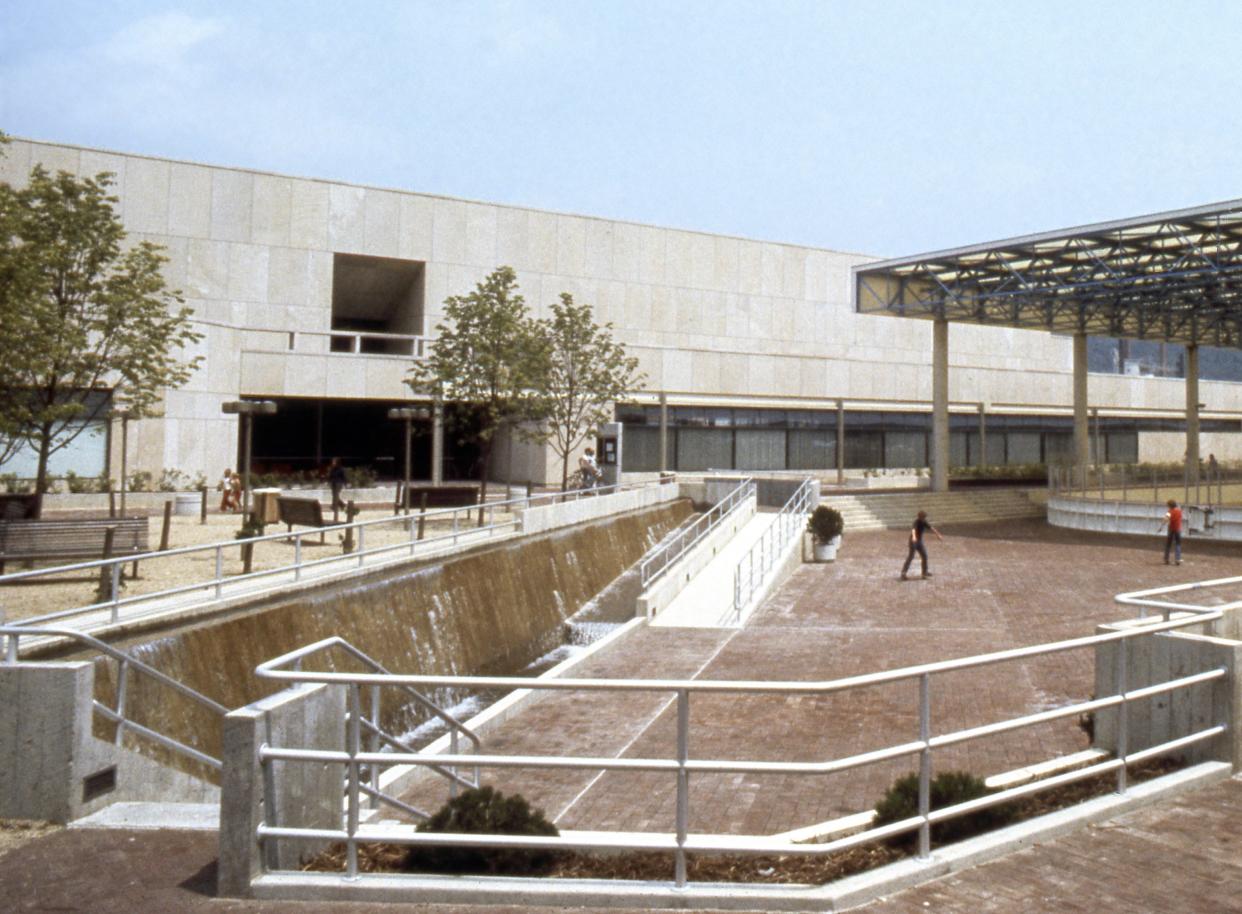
(373, 299)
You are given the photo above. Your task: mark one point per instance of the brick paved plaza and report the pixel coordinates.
(996, 586)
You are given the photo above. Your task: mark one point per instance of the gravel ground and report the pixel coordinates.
(68, 590)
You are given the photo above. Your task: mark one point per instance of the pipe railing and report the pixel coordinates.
(377, 737)
(759, 560)
(119, 714)
(681, 765)
(691, 534)
(1155, 484)
(495, 517)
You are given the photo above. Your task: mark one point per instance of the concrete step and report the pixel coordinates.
(180, 816)
(880, 511)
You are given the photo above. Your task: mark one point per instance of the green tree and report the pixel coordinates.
(486, 354)
(586, 372)
(82, 313)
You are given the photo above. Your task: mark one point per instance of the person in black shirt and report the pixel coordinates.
(917, 530)
(336, 479)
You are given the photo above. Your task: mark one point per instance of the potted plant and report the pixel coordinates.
(826, 525)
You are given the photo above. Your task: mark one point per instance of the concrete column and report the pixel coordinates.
(1082, 431)
(663, 432)
(940, 405)
(305, 795)
(437, 441)
(983, 435)
(1192, 413)
(840, 442)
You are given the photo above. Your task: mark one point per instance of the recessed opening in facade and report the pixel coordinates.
(377, 304)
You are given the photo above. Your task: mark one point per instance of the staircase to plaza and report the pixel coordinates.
(894, 510)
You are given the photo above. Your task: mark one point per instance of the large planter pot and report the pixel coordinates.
(827, 552)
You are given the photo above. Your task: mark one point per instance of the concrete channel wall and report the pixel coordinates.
(586, 508)
(1143, 519)
(666, 588)
(1163, 657)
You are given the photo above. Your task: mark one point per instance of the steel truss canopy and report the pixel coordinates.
(1174, 277)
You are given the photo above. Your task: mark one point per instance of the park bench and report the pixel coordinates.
(305, 512)
(19, 507)
(39, 540)
(444, 496)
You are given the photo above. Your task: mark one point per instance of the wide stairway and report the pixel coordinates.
(889, 511)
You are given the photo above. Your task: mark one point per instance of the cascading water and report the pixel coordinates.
(490, 611)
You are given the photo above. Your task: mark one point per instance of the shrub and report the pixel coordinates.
(825, 523)
(140, 481)
(78, 484)
(484, 811)
(360, 477)
(15, 485)
(947, 789)
(173, 481)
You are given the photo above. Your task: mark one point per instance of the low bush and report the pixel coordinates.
(360, 477)
(484, 811)
(947, 789)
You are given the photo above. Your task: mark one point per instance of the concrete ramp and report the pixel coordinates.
(707, 601)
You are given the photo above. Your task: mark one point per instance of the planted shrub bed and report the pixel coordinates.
(657, 866)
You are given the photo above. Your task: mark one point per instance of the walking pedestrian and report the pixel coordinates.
(336, 479)
(917, 529)
(1172, 520)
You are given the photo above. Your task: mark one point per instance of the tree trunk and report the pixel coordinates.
(565, 471)
(45, 449)
(485, 460)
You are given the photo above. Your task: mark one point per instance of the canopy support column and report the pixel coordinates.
(1192, 414)
(940, 405)
(1082, 429)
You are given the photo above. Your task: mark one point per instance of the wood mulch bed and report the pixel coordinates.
(744, 868)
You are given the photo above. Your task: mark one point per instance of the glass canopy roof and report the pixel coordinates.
(1174, 276)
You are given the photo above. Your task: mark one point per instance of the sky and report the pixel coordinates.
(885, 128)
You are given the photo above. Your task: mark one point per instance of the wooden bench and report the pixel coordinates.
(38, 540)
(19, 507)
(305, 512)
(444, 496)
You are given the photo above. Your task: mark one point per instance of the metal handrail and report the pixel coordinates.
(378, 736)
(125, 662)
(690, 535)
(770, 547)
(682, 765)
(460, 517)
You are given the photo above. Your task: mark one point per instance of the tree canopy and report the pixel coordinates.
(488, 354)
(82, 312)
(585, 372)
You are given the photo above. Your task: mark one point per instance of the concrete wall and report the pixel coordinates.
(1159, 658)
(665, 589)
(49, 755)
(306, 795)
(583, 509)
(1139, 519)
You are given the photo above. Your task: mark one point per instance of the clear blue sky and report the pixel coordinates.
(881, 127)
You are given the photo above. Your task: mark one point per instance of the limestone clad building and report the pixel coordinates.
(318, 295)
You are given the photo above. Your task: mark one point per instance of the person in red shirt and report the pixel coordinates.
(1173, 520)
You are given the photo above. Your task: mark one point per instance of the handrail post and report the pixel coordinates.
(297, 556)
(1123, 711)
(925, 764)
(453, 768)
(362, 544)
(683, 783)
(375, 745)
(355, 739)
(219, 570)
(122, 681)
(116, 590)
